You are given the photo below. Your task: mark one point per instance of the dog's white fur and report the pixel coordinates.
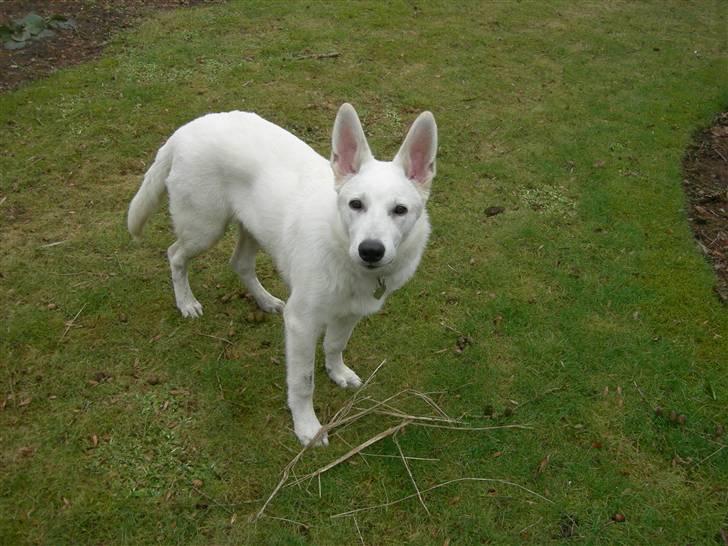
(300, 208)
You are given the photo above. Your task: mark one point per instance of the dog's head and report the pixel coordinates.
(380, 202)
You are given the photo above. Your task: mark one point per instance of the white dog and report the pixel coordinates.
(343, 233)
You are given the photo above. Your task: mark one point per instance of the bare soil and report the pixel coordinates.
(706, 185)
(95, 24)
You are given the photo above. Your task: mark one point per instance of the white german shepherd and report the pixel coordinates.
(343, 233)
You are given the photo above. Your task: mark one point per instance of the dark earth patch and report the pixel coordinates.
(95, 24)
(706, 185)
(705, 164)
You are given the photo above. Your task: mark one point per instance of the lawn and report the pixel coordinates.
(583, 313)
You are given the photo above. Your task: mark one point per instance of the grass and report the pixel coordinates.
(586, 301)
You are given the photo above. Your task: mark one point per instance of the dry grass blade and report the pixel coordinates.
(437, 486)
(352, 452)
(70, 323)
(339, 418)
(409, 471)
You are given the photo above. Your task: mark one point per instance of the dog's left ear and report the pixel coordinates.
(417, 156)
(349, 147)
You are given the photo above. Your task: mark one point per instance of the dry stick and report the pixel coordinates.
(431, 403)
(338, 418)
(316, 56)
(358, 532)
(289, 521)
(424, 421)
(395, 457)
(215, 337)
(397, 501)
(409, 471)
(69, 324)
(352, 452)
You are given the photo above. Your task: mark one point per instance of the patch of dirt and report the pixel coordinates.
(95, 23)
(706, 185)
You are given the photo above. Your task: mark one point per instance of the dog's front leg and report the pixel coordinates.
(335, 340)
(301, 337)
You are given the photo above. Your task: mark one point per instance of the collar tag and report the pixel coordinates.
(380, 290)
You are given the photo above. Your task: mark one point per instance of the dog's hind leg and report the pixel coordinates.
(335, 340)
(243, 263)
(193, 238)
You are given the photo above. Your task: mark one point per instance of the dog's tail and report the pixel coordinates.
(147, 199)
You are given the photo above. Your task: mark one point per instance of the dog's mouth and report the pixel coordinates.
(373, 266)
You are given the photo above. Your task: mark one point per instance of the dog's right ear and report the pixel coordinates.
(349, 147)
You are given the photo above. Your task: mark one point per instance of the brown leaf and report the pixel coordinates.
(26, 451)
(25, 402)
(543, 464)
(197, 483)
(94, 440)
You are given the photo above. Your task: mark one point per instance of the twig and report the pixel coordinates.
(443, 484)
(410, 458)
(215, 337)
(293, 521)
(49, 245)
(338, 419)
(69, 324)
(432, 403)
(330, 55)
(358, 532)
(409, 471)
(352, 452)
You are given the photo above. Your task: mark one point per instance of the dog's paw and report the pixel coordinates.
(190, 309)
(306, 432)
(270, 304)
(344, 377)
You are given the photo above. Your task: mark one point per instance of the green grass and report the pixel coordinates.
(587, 301)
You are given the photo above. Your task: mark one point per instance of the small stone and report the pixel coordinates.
(619, 518)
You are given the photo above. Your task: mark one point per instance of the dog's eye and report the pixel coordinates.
(356, 204)
(400, 210)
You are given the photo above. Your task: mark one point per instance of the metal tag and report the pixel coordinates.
(381, 289)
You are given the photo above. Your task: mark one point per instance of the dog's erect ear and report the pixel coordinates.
(418, 152)
(349, 148)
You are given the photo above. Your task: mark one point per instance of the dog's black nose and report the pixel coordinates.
(371, 251)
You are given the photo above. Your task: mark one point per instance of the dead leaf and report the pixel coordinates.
(26, 451)
(94, 440)
(25, 402)
(543, 464)
(197, 483)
